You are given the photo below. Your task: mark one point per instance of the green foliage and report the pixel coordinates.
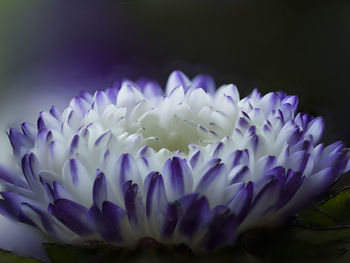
(313, 216)
(338, 206)
(8, 257)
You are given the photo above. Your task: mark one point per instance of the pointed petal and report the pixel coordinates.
(133, 203)
(71, 215)
(125, 169)
(171, 219)
(240, 204)
(212, 184)
(194, 217)
(177, 178)
(18, 141)
(107, 221)
(156, 199)
(266, 200)
(221, 230)
(176, 79)
(315, 129)
(204, 82)
(99, 191)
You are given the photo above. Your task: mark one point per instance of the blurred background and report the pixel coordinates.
(50, 50)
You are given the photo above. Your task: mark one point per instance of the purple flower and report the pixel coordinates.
(193, 165)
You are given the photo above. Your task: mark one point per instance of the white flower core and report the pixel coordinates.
(172, 122)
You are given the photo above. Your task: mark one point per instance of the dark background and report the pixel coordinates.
(56, 48)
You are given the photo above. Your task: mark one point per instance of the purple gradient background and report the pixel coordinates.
(50, 50)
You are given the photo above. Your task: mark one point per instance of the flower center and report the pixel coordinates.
(172, 122)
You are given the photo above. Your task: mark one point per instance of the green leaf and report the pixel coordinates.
(8, 257)
(338, 205)
(315, 217)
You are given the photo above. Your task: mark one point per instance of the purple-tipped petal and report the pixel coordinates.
(296, 161)
(241, 203)
(133, 204)
(107, 221)
(112, 216)
(290, 187)
(315, 129)
(211, 177)
(10, 206)
(10, 177)
(29, 130)
(45, 220)
(30, 168)
(171, 219)
(176, 79)
(221, 230)
(18, 141)
(177, 178)
(239, 157)
(194, 159)
(125, 169)
(47, 121)
(232, 190)
(77, 176)
(60, 192)
(194, 217)
(72, 215)
(266, 200)
(292, 100)
(269, 102)
(334, 147)
(56, 113)
(103, 139)
(101, 101)
(241, 174)
(321, 180)
(74, 144)
(99, 191)
(80, 105)
(204, 82)
(151, 89)
(112, 94)
(156, 198)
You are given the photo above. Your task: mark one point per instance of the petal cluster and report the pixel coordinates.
(191, 165)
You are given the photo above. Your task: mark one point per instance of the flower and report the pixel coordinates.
(193, 165)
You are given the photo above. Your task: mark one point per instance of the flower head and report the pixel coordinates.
(193, 165)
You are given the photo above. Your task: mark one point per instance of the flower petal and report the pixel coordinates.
(176, 79)
(71, 215)
(177, 178)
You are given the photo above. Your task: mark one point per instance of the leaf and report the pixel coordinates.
(8, 257)
(315, 217)
(338, 205)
